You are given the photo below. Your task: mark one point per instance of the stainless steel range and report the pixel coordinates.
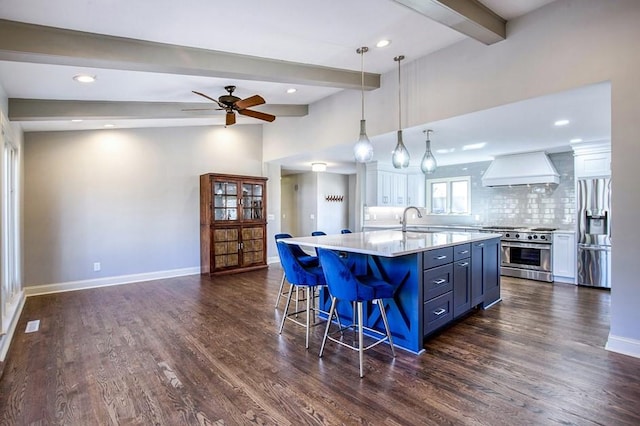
(526, 252)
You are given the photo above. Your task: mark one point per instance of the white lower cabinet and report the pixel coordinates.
(564, 256)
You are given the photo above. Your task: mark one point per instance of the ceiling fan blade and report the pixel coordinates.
(249, 102)
(231, 119)
(257, 114)
(210, 98)
(201, 109)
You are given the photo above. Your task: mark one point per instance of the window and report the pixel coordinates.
(449, 195)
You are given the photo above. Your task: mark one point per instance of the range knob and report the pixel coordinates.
(543, 237)
(517, 235)
(530, 237)
(507, 235)
(535, 237)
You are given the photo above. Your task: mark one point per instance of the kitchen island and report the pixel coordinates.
(438, 276)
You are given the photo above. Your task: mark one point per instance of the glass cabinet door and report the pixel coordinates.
(252, 201)
(225, 200)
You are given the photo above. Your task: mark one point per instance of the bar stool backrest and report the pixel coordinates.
(295, 249)
(295, 272)
(342, 283)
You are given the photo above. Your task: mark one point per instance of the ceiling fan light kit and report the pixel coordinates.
(400, 157)
(363, 149)
(232, 104)
(429, 163)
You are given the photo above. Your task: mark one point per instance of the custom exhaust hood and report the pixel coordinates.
(529, 168)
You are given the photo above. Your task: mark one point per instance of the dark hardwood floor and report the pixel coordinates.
(203, 351)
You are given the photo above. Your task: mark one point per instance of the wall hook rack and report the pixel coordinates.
(334, 198)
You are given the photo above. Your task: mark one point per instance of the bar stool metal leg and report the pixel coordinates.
(383, 314)
(326, 331)
(360, 339)
(286, 309)
(280, 289)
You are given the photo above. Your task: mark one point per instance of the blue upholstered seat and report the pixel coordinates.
(345, 231)
(346, 286)
(299, 276)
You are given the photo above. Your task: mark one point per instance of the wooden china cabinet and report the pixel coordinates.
(232, 223)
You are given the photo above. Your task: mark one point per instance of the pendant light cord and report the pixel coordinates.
(362, 51)
(399, 96)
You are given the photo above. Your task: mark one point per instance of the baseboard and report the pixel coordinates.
(564, 280)
(274, 259)
(108, 281)
(623, 345)
(5, 341)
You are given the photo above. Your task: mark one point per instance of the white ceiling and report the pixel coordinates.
(323, 33)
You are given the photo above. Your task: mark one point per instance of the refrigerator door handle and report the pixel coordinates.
(594, 248)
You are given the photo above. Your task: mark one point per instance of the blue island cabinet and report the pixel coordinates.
(433, 288)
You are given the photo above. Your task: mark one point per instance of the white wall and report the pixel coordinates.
(333, 216)
(563, 45)
(128, 199)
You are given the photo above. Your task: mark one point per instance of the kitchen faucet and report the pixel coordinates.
(403, 222)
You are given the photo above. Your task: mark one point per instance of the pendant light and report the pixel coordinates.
(363, 149)
(400, 157)
(428, 164)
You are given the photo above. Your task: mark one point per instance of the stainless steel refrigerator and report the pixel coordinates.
(594, 232)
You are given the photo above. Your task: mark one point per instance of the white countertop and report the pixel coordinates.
(390, 243)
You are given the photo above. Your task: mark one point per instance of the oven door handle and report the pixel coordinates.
(540, 246)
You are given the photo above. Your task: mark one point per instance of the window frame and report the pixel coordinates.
(448, 181)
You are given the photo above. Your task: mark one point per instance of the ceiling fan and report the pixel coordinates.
(232, 104)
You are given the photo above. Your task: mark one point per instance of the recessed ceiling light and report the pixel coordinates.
(561, 123)
(474, 146)
(108, 126)
(576, 140)
(76, 120)
(292, 90)
(84, 78)
(383, 43)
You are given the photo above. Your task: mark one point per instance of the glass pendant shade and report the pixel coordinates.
(428, 164)
(400, 157)
(363, 149)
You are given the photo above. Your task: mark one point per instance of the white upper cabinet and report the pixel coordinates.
(416, 190)
(592, 159)
(389, 188)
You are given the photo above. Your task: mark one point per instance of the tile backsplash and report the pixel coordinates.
(552, 206)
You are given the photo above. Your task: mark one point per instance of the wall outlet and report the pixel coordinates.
(312, 216)
(96, 266)
(366, 217)
(271, 217)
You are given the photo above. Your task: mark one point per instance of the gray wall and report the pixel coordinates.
(563, 45)
(128, 199)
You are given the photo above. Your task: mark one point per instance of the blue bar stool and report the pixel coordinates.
(299, 276)
(318, 234)
(304, 258)
(345, 231)
(344, 285)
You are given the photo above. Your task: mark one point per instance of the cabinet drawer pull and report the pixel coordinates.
(463, 263)
(480, 245)
(440, 281)
(463, 252)
(439, 312)
(440, 257)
